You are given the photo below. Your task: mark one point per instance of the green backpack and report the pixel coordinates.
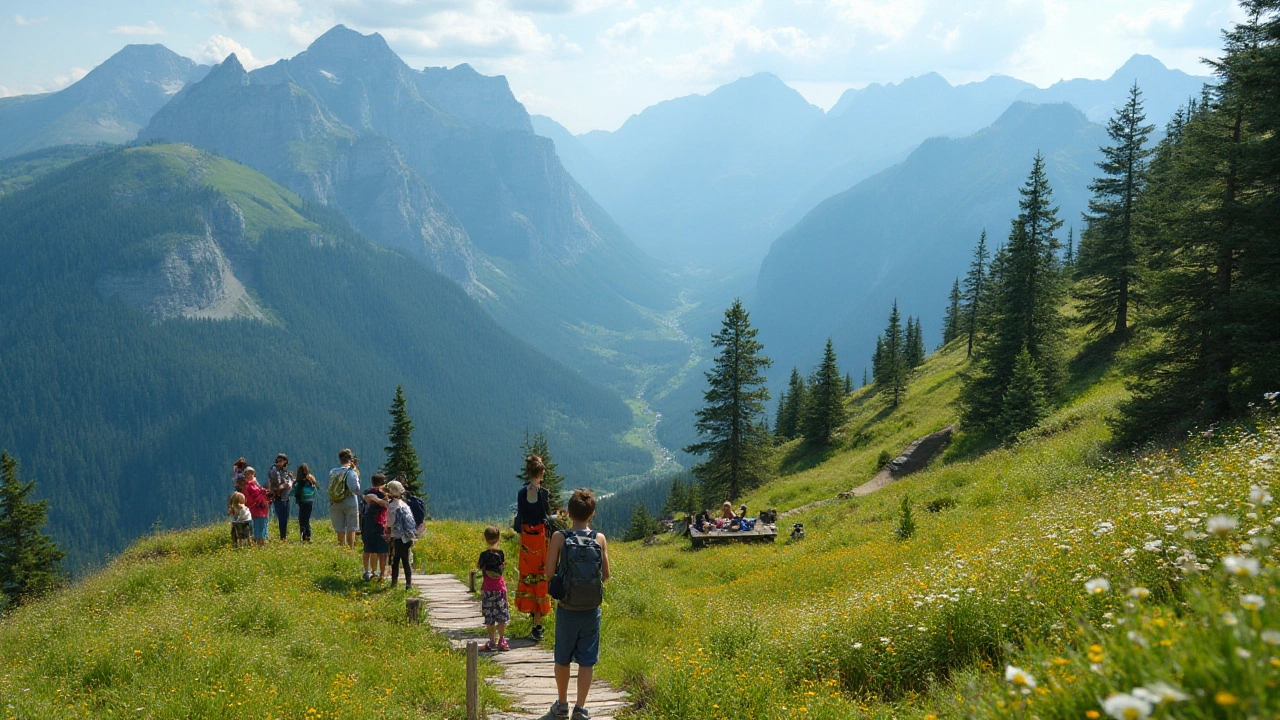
(338, 490)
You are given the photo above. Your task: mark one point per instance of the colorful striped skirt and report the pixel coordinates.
(531, 591)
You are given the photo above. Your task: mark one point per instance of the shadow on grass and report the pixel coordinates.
(336, 584)
(968, 446)
(1089, 366)
(804, 456)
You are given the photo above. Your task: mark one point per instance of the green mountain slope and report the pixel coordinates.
(168, 311)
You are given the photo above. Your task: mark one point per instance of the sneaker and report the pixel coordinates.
(580, 713)
(536, 635)
(489, 647)
(503, 646)
(367, 575)
(558, 711)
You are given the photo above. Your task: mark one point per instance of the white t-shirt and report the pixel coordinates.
(241, 515)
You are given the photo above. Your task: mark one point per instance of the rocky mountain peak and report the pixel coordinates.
(343, 47)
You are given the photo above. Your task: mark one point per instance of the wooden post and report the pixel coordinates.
(473, 680)
(471, 582)
(413, 610)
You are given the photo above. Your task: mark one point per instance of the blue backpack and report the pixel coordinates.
(578, 583)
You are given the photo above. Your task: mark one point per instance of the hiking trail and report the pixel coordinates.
(527, 669)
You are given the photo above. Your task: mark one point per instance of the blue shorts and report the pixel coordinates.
(577, 636)
(259, 528)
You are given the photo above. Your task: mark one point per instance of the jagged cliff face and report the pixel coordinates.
(110, 104)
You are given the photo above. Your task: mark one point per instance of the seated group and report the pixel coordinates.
(729, 521)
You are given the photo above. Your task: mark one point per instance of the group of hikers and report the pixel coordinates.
(730, 521)
(387, 518)
(569, 565)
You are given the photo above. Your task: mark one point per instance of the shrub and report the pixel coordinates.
(883, 460)
(939, 504)
(906, 526)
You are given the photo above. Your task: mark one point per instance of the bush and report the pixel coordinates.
(883, 460)
(939, 504)
(906, 525)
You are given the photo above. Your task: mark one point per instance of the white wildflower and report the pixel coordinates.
(1123, 706)
(857, 646)
(1019, 678)
(1259, 495)
(1229, 619)
(1097, 586)
(1222, 525)
(1244, 654)
(1252, 602)
(1139, 593)
(1136, 638)
(1161, 692)
(1153, 546)
(1271, 637)
(1241, 566)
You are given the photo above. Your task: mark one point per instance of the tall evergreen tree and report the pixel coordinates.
(1022, 307)
(791, 407)
(975, 285)
(733, 435)
(29, 559)
(848, 383)
(826, 411)
(1023, 403)
(642, 524)
(951, 320)
(552, 480)
(891, 356)
(915, 352)
(1211, 213)
(402, 458)
(1070, 260)
(864, 375)
(1108, 264)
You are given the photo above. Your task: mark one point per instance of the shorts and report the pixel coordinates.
(241, 530)
(259, 528)
(344, 518)
(371, 536)
(493, 603)
(577, 637)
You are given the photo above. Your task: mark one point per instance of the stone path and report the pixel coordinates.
(527, 670)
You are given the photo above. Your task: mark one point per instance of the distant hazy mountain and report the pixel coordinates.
(908, 231)
(166, 311)
(443, 163)
(711, 180)
(110, 104)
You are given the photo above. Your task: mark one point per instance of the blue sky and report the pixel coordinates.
(592, 63)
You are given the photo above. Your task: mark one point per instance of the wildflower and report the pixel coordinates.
(1271, 637)
(1136, 638)
(1225, 699)
(1139, 593)
(1153, 546)
(1095, 653)
(1092, 714)
(1123, 706)
(1019, 678)
(1221, 525)
(857, 646)
(1252, 602)
(1161, 692)
(1259, 495)
(1097, 586)
(1241, 566)
(1244, 654)
(1229, 619)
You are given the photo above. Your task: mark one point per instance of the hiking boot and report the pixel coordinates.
(558, 711)
(536, 635)
(580, 713)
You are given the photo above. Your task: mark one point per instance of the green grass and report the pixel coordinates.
(183, 626)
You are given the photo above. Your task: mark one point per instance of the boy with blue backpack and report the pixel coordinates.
(578, 565)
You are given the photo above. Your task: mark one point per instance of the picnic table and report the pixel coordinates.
(760, 533)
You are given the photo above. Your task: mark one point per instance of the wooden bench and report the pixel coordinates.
(761, 533)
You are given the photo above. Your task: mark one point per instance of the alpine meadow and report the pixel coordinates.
(649, 361)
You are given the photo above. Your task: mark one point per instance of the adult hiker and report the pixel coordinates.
(533, 516)
(344, 488)
(279, 485)
(304, 491)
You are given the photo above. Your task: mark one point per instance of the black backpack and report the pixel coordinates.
(417, 507)
(578, 582)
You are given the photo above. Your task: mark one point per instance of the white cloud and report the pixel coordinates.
(8, 92)
(23, 20)
(148, 29)
(888, 19)
(255, 14)
(219, 47)
(489, 30)
(62, 80)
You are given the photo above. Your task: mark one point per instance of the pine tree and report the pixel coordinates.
(1023, 403)
(551, 480)
(1022, 308)
(915, 352)
(677, 498)
(642, 525)
(951, 320)
(734, 437)
(1210, 214)
(906, 524)
(791, 407)
(864, 374)
(1070, 260)
(848, 383)
(402, 458)
(877, 362)
(1108, 264)
(29, 559)
(975, 287)
(891, 357)
(826, 411)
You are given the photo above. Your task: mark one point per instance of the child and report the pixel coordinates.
(579, 586)
(374, 528)
(256, 499)
(402, 526)
(493, 591)
(241, 525)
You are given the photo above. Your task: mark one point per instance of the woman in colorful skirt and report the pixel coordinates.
(533, 514)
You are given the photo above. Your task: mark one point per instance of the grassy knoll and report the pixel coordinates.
(182, 626)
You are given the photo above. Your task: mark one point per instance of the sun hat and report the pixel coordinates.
(394, 488)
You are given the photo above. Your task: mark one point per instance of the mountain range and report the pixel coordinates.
(167, 310)
(711, 180)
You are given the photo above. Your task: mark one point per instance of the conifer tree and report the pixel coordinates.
(906, 524)
(1022, 308)
(1070, 260)
(915, 352)
(951, 320)
(826, 411)
(402, 458)
(1023, 403)
(552, 480)
(975, 284)
(29, 559)
(734, 438)
(877, 362)
(791, 407)
(1108, 263)
(848, 383)
(642, 524)
(891, 356)
(864, 374)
